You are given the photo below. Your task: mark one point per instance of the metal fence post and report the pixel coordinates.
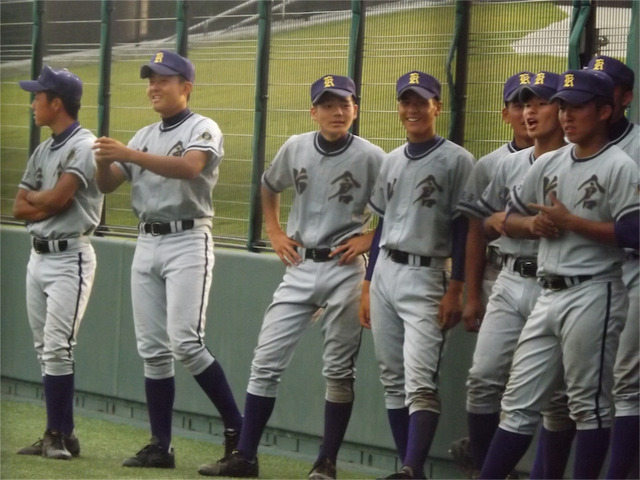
(356, 53)
(36, 66)
(458, 86)
(182, 32)
(260, 123)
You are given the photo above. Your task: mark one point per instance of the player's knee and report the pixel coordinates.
(424, 400)
(159, 367)
(339, 390)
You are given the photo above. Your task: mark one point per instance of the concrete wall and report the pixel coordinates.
(107, 363)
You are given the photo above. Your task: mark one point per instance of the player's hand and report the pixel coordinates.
(108, 150)
(541, 226)
(364, 312)
(450, 310)
(285, 248)
(494, 225)
(472, 314)
(352, 248)
(557, 213)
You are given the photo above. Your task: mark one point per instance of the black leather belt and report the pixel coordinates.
(556, 283)
(159, 228)
(526, 267)
(42, 246)
(399, 256)
(318, 254)
(494, 258)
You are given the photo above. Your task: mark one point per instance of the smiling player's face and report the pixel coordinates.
(418, 116)
(168, 94)
(334, 115)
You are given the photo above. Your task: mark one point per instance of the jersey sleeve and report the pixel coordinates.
(29, 179)
(461, 173)
(378, 200)
(496, 195)
(280, 174)
(625, 189)
(206, 136)
(525, 192)
(80, 161)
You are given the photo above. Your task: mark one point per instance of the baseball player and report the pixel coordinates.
(586, 199)
(626, 431)
(516, 289)
(624, 448)
(410, 301)
(333, 173)
(482, 261)
(172, 166)
(61, 204)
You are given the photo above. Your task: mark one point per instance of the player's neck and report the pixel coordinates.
(61, 123)
(591, 145)
(548, 143)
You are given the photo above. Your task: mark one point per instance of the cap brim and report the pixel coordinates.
(335, 91)
(423, 92)
(513, 96)
(32, 86)
(147, 70)
(528, 91)
(573, 97)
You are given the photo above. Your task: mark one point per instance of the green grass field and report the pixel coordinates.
(105, 444)
(395, 42)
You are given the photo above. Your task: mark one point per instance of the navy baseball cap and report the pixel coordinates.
(514, 84)
(543, 85)
(61, 82)
(580, 86)
(336, 84)
(164, 62)
(422, 83)
(618, 71)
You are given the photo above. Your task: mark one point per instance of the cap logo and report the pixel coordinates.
(414, 78)
(328, 81)
(525, 79)
(568, 80)
(158, 58)
(539, 79)
(599, 64)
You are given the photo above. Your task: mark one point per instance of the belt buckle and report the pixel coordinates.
(525, 268)
(554, 283)
(152, 228)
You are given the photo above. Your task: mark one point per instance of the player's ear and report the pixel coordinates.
(505, 114)
(314, 113)
(605, 112)
(627, 98)
(437, 104)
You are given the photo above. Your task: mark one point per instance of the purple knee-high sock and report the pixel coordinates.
(552, 453)
(58, 398)
(591, 450)
(504, 453)
(422, 429)
(399, 423)
(214, 383)
(624, 446)
(160, 396)
(336, 420)
(257, 411)
(482, 427)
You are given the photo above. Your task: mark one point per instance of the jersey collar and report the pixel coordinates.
(418, 150)
(331, 149)
(171, 122)
(63, 136)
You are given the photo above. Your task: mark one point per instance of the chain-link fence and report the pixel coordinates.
(306, 39)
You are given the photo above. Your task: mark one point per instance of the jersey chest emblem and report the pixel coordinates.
(429, 186)
(177, 150)
(301, 179)
(590, 190)
(346, 183)
(549, 185)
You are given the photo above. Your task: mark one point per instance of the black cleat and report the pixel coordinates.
(152, 456)
(53, 446)
(323, 469)
(235, 465)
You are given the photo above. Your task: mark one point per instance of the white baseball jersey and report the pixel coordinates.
(46, 164)
(507, 176)
(629, 141)
(429, 187)
(155, 198)
(331, 188)
(595, 188)
(483, 172)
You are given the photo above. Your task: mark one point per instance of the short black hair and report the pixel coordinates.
(71, 105)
